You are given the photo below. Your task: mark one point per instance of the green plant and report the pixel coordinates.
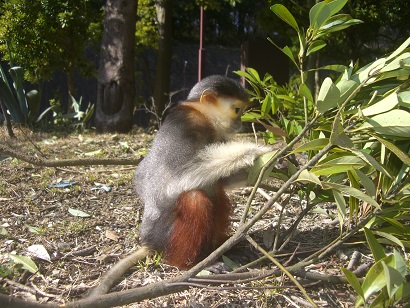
(77, 118)
(8, 270)
(355, 133)
(386, 277)
(23, 107)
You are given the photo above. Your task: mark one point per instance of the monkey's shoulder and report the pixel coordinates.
(191, 115)
(189, 124)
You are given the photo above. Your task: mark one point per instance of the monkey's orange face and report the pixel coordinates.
(223, 110)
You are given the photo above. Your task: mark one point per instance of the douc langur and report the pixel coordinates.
(182, 179)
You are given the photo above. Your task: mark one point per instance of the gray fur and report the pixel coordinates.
(221, 85)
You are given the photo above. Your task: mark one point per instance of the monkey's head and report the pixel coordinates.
(221, 86)
(223, 99)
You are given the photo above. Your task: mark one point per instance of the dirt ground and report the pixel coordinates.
(39, 210)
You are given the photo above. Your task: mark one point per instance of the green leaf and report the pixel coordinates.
(286, 50)
(399, 50)
(3, 231)
(314, 14)
(396, 63)
(283, 13)
(35, 230)
(396, 224)
(336, 5)
(375, 247)
(253, 75)
(346, 87)
(10, 101)
(399, 153)
(266, 107)
(17, 74)
(89, 114)
(391, 238)
(393, 279)
(203, 273)
(375, 279)
(258, 165)
(328, 96)
(51, 108)
(247, 75)
(304, 91)
(350, 191)
(399, 263)
(405, 64)
(313, 145)
(229, 262)
(334, 67)
(385, 104)
(27, 263)
(275, 104)
(371, 161)
(341, 206)
(338, 165)
(354, 282)
(403, 293)
(404, 99)
(315, 46)
(338, 136)
(336, 25)
(78, 213)
(33, 102)
(306, 176)
(366, 71)
(250, 117)
(394, 123)
(399, 74)
(366, 182)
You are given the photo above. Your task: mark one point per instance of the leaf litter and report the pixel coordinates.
(84, 229)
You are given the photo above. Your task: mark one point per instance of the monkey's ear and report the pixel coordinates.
(208, 97)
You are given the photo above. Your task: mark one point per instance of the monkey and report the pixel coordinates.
(182, 180)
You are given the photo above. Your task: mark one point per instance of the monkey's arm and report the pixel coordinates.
(114, 274)
(216, 161)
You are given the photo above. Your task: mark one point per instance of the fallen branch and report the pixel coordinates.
(68, 162)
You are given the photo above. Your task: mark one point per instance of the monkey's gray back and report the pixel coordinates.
(174, 145)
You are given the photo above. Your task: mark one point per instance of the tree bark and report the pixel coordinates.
(163, 65)
(7, 119)
(115, 96)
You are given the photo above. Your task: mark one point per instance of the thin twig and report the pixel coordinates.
(282, 268)
(271, 162)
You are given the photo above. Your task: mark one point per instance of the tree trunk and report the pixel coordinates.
(163, 66)
(115, 96)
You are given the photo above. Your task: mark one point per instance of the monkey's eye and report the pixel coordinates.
(238, 110)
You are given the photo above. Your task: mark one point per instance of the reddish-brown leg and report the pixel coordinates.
(223, 211)
(192, 230)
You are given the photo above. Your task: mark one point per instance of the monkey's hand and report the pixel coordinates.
(216, 161)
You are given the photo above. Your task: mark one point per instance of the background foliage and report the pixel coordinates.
(356, 135)
(45, 36)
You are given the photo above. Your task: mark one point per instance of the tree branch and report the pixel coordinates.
(34, 160)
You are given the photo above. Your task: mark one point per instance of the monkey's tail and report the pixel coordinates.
(115, 273)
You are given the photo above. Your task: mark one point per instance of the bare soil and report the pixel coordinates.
(33, 211)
